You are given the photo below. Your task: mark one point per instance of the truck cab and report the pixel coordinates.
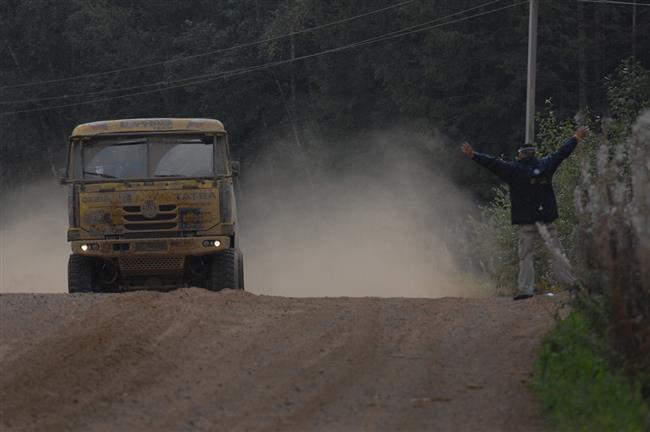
(151, 205)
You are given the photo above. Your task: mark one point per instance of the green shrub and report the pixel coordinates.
(578, 389)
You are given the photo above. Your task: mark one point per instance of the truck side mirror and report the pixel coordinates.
(235, 167)
(61, 176)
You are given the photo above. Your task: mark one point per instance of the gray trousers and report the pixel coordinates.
(559, 262)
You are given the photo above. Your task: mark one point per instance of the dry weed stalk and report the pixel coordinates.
(613, 204)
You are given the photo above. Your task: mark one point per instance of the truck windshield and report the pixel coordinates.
(150, 157)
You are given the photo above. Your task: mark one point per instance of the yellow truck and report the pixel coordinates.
(151, 205)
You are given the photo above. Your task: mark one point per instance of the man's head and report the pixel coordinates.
(525, 151)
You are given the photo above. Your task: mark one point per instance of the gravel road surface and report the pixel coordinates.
(193, 360)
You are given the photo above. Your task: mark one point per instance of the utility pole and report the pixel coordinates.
(582, 59)
(634, 30)
(532, 72)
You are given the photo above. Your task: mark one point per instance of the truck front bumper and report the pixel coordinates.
(182, 246)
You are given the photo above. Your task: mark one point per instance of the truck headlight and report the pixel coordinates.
(84, 247)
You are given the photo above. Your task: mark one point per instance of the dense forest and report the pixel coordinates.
(300, 68)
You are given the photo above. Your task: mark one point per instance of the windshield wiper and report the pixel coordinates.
(99, 174)
(169, 175)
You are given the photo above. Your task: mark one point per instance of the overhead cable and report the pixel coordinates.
(628, 3)
(208, 53)
(214, 74)
(242, 71)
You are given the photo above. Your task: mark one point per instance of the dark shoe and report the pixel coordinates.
(522, 296)
(574, 289)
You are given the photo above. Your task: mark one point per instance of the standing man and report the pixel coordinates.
(533, 206)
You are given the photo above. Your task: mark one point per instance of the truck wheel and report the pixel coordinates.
(80, 274)
(224, 270)
(240, 264)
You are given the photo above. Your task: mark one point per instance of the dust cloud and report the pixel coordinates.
(378, 221)
(33, 248)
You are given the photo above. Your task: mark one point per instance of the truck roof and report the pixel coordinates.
(149, 125)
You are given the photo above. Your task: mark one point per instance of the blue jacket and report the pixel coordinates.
(530, 182)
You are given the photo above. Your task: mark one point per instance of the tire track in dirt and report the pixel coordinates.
(196, 360)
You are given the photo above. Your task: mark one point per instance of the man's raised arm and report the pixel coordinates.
(499, 167)
(554, 160)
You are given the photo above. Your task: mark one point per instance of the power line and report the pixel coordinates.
(427, 23)
(237, 72)
(209, 53)
(224, 75)
(615, 2)
(158, 84)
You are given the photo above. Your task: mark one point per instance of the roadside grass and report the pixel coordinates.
(579, 389)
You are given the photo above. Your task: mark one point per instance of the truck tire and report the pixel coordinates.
(80, 274)
(240, 263)
(224, 270)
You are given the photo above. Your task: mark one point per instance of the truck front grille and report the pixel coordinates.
(141, 218)
(149, 226)
(161, 208)
(165, 217)
(132, 265)
(157, 234)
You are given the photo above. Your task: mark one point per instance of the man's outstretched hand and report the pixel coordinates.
(581, 132)
(467, 150)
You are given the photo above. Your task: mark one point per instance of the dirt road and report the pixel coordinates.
(233, 361)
